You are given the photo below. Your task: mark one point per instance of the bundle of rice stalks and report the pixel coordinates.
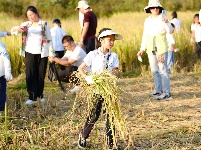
(105, 87)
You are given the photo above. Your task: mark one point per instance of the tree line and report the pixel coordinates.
(66, 8)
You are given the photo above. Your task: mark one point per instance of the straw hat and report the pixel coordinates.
(82, 4)
(153, 3)
(110, 32)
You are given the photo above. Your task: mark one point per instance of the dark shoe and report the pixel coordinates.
(82, 142)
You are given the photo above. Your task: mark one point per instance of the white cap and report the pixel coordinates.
(153, 3)
(82, 4)
(110, 32)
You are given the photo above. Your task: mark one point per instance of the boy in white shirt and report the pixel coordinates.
(57, 33)
(196, 33)
(5, 71)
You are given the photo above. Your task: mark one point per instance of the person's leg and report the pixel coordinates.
(42, 67)
(165, 75)
(91, 119)
(199, 49)
(109, 133)
(64, 75)
(153, 61)
(60, 54)
(89, 45)
(2, 93)
(31, 75)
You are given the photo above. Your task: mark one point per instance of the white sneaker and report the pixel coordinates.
(75, 89)
(30, 102)
(42, 100)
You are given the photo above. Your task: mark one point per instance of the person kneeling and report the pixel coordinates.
(71, 60)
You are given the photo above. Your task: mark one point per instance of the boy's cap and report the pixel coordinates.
(82, 4)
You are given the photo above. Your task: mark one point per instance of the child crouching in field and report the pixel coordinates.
(5, 71)
(99, 60)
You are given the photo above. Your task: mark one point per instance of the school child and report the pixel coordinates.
(5, 71)
(196, 34)
(57, 34)
(98, 60)
(171, 49)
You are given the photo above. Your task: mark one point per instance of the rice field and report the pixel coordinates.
(153, 125)
(130, 25)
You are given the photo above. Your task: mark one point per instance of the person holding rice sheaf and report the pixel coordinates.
(99, 60)
(155, 43)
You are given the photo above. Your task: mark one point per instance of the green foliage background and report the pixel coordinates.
(66, 8)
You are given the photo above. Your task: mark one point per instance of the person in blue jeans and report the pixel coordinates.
(5, 71)
(154, 42)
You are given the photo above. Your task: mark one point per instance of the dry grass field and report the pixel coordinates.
(153, 125)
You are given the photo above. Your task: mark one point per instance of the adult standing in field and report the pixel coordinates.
(57, 34)
(36, 41)
(176, 21)
(196, 34)
(87, 40)
(154, 41)
(72, 59)
(5, 71)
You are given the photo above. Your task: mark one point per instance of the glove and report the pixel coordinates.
(89, 79)
(8, 76)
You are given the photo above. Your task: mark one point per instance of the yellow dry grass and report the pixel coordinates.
(154, 125)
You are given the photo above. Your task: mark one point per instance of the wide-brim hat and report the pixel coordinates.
(110, 32)
(153, 3)
(82, 4)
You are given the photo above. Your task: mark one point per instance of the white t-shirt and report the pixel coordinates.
(34, 38)
(57, 34)
(5, 67)
(81, 18)
(154, 27)
(177, 24)
(78, 54)
(197, 29)
(170, 40)
(97, 61)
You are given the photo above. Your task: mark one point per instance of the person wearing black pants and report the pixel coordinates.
(99, 60)
(5, 71)
(35, 75)
(91, 120)
(71, 60)
(36, 42)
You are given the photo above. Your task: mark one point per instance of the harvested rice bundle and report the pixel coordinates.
(104, 87)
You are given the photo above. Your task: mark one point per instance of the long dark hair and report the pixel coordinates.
(174, 14)
(33, 9)
(98, 43)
